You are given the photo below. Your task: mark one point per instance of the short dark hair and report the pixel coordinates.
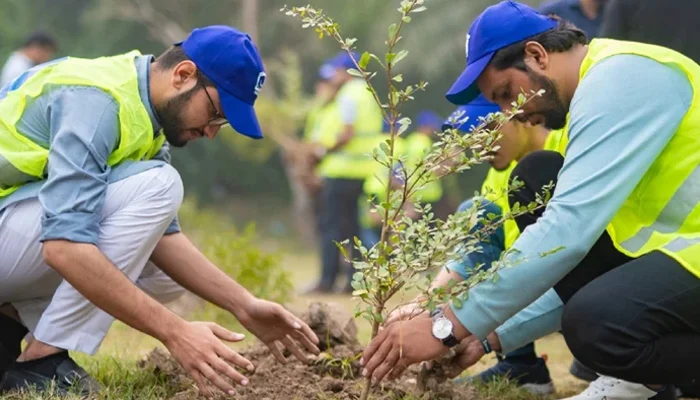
(558, 40)
(173, 56)
(41, 39)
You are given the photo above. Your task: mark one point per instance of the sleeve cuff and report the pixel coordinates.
(539, 319)
(475, 319)
(77, 227)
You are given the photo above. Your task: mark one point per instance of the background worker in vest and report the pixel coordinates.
(88, 205)
(345, 164)
(623, 214)
(418, 144)
(518, 139)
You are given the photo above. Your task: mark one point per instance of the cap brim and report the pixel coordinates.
(464, 90)
(240, 115)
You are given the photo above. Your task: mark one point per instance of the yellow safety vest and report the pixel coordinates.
(375, 185)
(418, 145)
(114, 75)
(495, 186)
(354, 160)
(663, 211)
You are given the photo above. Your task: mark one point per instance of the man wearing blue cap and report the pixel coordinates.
(88, 205)
(624, 214)
(345, 162)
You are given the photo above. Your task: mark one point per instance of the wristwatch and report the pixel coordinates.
(443, 328)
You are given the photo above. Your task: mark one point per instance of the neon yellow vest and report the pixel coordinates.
(114, 75)
(495, 185)
(354, 160)
(375, 185)
(418, 145)
(663, 211)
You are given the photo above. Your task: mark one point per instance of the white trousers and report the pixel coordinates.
(136, 213)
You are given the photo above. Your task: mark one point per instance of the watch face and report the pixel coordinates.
(442, 328)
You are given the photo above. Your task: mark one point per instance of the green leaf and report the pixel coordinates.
(359, 292)
(400, 56)
(398, 78)
(419, 9)
(393, 28)
(354, 72)
(406, 19)
(364, 60)
(357, 276)
(390, 57)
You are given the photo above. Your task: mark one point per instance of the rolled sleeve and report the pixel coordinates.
(84, 130)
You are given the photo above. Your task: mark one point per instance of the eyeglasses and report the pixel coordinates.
(218, 119)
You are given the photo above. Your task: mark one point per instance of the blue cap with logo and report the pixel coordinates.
(499, 26)
(466, 117)
(231, 61)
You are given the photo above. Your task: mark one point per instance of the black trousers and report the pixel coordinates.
(339, 221)
(634, 319)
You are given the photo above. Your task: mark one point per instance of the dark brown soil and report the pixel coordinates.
(334, 374)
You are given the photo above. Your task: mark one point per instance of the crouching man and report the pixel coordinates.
(88, 205)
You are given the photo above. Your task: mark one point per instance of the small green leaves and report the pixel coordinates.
(355, 72)
(400, 56)
(397, 78)
(364, 60)
(393, 29)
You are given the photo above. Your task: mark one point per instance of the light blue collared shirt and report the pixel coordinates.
(623, 113)
(80, 127)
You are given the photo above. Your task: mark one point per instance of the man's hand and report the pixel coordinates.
(278, 328)
(405, 312)
(467, 353)
(400, 345)
(197, 347)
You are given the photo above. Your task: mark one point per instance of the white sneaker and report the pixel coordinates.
(609, 388)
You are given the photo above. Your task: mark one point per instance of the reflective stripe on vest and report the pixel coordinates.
(662, 212)
(354, 160)
(114, 75)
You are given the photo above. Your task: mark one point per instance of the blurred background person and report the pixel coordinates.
(587, 15)
(38, 48)
(350, 134)
(668, 23)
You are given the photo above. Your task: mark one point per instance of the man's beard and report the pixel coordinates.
(549, 104)
(170, 115)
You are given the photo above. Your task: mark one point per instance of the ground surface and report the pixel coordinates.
(117, 364)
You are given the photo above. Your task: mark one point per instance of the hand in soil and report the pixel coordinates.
(466, 354)
(399, 346)
(279, 329)
(198, 348)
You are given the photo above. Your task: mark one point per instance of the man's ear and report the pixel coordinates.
(184, 75)
(536, 57)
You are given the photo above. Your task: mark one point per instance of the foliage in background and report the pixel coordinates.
(238, 254)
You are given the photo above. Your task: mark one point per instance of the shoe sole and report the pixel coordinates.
(540, 389)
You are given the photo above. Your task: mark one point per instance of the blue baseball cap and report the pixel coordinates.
(429, 119)
(499, 26)
(326, 72)
(344, 60)
(231, 61)
(470, 115)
